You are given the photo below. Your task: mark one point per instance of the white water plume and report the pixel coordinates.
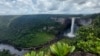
(71, 33)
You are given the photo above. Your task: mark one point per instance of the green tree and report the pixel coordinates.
(89, 37)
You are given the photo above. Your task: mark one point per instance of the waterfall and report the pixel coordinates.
(72, 26)
(71, 33)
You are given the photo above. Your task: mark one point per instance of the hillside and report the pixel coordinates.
(27, 30)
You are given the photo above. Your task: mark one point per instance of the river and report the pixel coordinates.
(12, 50)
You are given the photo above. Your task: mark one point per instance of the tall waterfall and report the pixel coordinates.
(71, 33)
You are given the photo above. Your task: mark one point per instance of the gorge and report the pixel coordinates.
(21, 28)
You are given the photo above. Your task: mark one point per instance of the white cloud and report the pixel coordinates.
(49, 6)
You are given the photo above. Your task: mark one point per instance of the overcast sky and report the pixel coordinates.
(49, 7)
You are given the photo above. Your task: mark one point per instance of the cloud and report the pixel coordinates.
(49, 7)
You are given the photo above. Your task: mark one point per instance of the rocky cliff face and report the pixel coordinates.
(84, 21)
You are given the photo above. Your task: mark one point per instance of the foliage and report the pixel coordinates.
(89, 46)
(33, 53)
(5, 53)
(58, 49)
(96, 22)
(61, 49)
(27, 31)
(33, 39)
(89, 39)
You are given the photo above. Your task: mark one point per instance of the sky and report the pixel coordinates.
(17, 7)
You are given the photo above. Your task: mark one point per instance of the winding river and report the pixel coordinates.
(12, 50)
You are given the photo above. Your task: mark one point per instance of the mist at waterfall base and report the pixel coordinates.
(68, 32)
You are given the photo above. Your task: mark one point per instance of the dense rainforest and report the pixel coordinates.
(33, 30)
(27, 30)
(86, 43)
